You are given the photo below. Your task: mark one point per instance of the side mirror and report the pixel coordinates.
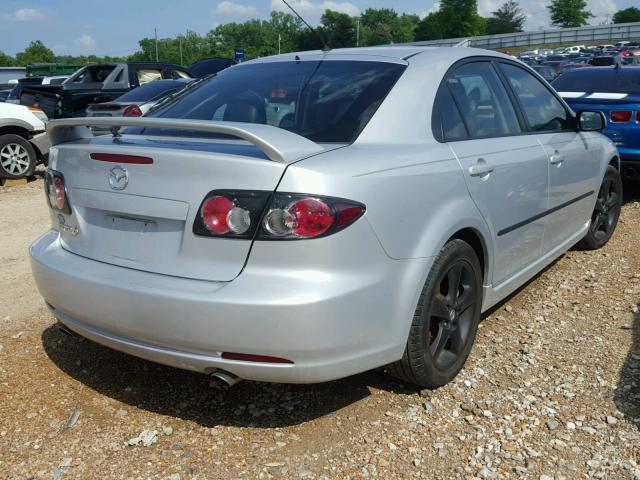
(590, 120)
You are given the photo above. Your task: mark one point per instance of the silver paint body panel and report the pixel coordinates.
(337, 305)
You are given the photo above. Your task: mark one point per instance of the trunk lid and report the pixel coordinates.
(148, 224)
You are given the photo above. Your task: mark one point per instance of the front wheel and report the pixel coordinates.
(604, 218)
(445, 321)
(17, 157)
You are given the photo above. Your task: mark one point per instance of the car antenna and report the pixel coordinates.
(325, 47)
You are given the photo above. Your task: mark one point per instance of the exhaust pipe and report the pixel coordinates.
(229, 379)
(62, 328)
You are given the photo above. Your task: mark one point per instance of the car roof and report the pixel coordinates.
(398, 53)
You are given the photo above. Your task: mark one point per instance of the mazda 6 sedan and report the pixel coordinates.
(309, 216)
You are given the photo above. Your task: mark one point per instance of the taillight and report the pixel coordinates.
(132, 111)
(293, 216)
(620, 116)
(231, 214)
(56, 191)
(221, 215)
(638, 117)
(242, 214)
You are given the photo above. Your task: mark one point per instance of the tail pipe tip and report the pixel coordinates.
(229, 379)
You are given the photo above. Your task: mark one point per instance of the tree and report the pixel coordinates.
(430, 27)
(382, 26)
(6, 60)
(376, 26)
(455, 18)
(405, 27)
(569, 13)
(338, 29)
(36, 52)
(508, 18)
(631, 14)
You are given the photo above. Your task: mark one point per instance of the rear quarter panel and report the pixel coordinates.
(415, 195)
(415, 198)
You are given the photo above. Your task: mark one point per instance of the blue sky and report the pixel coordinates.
(113, 27)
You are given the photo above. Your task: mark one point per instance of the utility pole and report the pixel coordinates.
(279, 43)
(358, 32)
(155, 31)
(180, 43)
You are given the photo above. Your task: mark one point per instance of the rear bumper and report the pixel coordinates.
(331, 325)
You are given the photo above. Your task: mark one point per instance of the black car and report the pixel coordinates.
(100, 82)
(4, 94)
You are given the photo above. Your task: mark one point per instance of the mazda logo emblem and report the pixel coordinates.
(118, 178)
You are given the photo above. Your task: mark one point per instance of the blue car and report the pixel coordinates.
(615, 91)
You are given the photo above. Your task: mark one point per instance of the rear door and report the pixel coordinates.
(573, 159)
(506, 172)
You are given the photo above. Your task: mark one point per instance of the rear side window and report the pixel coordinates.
(451, 122)
(146, 75)
(542, 109)
(328, 101)
(483, 102)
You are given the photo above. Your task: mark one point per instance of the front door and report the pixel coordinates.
(572, 166)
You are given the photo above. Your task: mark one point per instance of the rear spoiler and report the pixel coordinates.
(279, 145)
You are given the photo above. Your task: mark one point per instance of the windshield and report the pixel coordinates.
(624, 80)
(152, 91)
(324, 101)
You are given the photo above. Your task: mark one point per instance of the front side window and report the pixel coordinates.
(483, 102)
(543, 110)
(327, 101)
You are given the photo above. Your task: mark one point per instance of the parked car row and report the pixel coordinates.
(614, 91)
(561, 60)
(33, 101)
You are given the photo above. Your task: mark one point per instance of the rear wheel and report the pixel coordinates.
(445, 321)
(604, 218)
(17, 157)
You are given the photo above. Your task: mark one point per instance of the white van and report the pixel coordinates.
(574, 49)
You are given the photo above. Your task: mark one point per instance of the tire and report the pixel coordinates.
(17, 157)
(604, 218)
(440, 341)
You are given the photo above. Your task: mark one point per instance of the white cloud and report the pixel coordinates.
(23, 15)
(232, 9)
(85, 42)
(312, 11)
(602, 10)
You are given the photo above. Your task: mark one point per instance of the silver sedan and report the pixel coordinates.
(309, 216)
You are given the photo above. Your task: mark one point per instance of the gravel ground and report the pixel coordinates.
(551, 391)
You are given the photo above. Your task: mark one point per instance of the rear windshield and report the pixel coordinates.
(152, 91)
(601, 79)
(324, 101)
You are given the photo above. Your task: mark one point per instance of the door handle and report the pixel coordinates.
(556, 159)
(480, 169)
